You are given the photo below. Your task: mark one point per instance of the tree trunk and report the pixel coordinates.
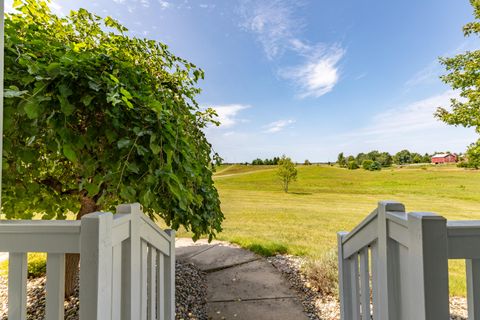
(72, 260)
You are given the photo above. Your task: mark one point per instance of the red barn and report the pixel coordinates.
(444, 158)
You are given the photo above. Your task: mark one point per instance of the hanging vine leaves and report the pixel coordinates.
(92, 112)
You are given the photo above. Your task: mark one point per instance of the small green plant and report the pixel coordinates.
(37, 265)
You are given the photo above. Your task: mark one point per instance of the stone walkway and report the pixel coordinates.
(241, 284)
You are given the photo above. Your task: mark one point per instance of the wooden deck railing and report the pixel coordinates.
(394, 265)
(127, 265)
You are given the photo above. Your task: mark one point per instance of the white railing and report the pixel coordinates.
(394, 265)
(127, 265)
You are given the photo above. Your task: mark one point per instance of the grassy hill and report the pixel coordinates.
(324, 200)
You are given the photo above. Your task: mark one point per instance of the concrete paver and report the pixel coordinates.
(241, 284)
(278, 309)
(254, 280)
(221, 256)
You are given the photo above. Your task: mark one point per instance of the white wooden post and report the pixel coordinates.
(169, 279)
(96, 266)
(55, 291)
(17, 286)
(344, 282)
(428, 267)
(473, 288)
(131, 268)
(386, 268)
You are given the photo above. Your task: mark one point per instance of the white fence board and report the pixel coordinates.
(127, 265)
(473, 288)
(55, 288)
(17, 286)
(365, 283)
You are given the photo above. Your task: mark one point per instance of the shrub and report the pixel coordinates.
(37, 265)
(352, 165)
(323, 273)
(371, 165)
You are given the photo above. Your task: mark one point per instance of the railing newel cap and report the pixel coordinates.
(426, 216)
(131, 208)
(391, 206)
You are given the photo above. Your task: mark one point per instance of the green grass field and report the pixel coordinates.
(324, 200)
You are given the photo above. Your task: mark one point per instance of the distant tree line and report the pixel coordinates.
(259, 161)
(375, 160)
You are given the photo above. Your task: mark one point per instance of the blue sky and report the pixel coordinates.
(311, 78)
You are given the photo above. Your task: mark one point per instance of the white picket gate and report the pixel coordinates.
(127, 265)
(394, 265)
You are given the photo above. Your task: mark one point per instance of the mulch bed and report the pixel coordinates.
(190, 293)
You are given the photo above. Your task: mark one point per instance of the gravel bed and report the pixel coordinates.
(318, 307)
(190, 290)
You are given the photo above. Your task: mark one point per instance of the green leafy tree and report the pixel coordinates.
(385, 159)
(360, 158)
(352, 165)
(257, 161)
(94, 118)
(464, 76)
(341, 161)
(473, 155)
(371, 165)
(286, 171)
(307, 163)
(402, 157)
(426, 158)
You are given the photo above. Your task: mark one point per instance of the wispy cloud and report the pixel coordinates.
(319, 74)
(433, 70)
(164, 4)
(228, 114)
(418, 115)
(276, 27)
(272, 22)
(427, 75)
(412, 126)
(277, 126)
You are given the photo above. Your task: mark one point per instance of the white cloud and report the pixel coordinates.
(145, 3)
(277, 126)
(412, 126)
(227, 114)
(164, 4)
(427, 75)
(418, 115)
(272, 22)
(275, 26)
(319, 74)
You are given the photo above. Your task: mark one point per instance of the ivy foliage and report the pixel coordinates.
(464, 76)
(92, 112)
